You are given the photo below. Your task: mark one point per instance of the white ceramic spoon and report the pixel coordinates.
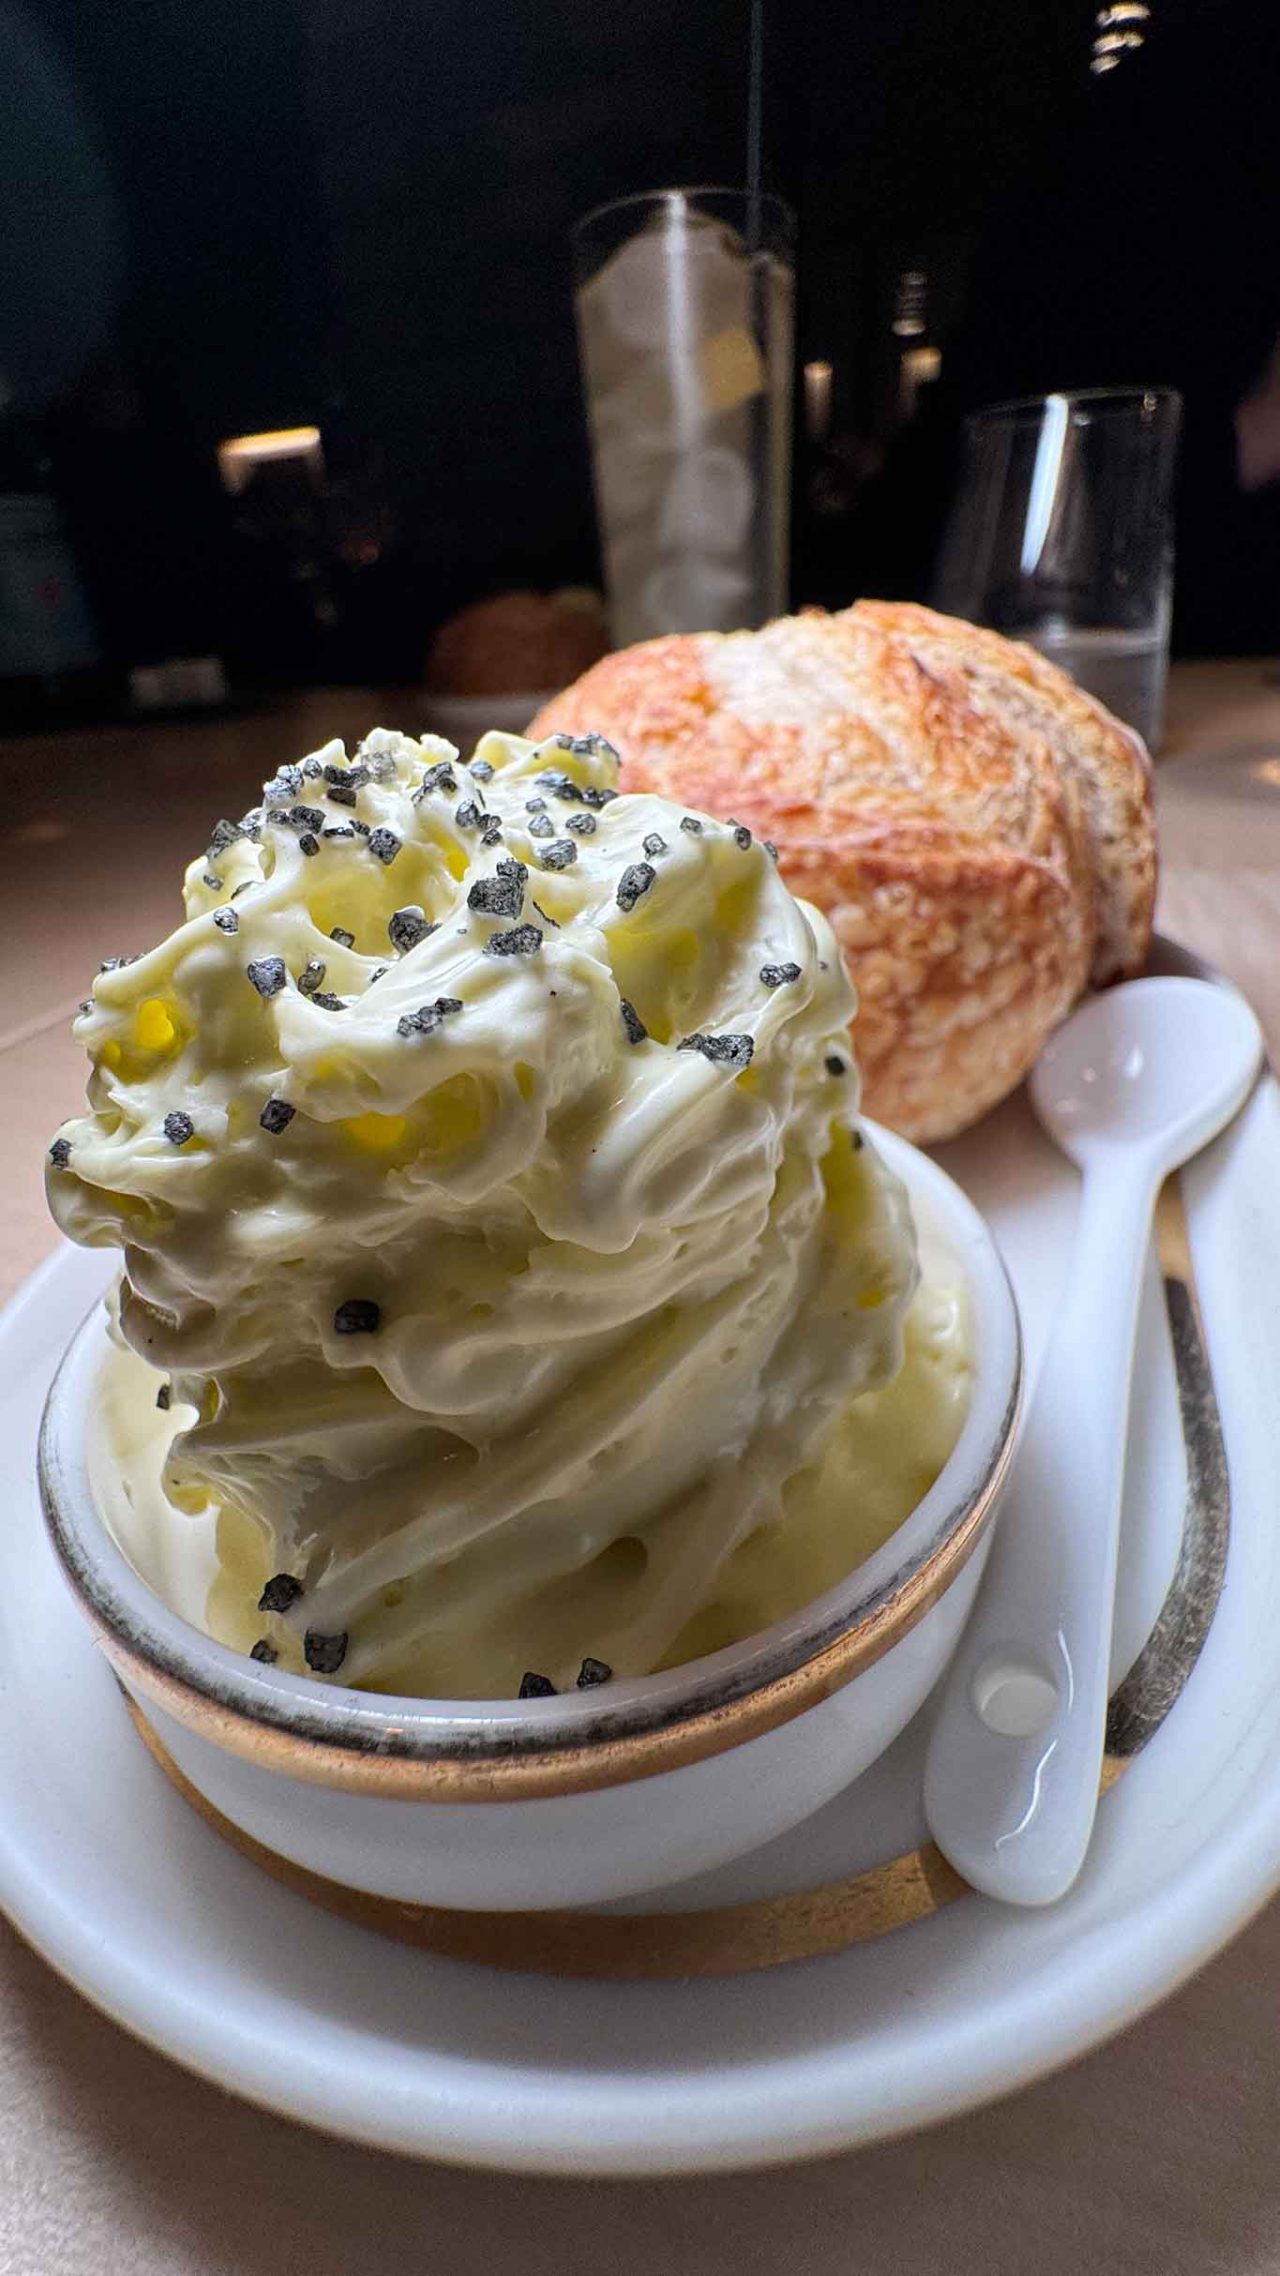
(1136, 1082)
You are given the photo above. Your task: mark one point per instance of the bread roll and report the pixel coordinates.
(978, 830)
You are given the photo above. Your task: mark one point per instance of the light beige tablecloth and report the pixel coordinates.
(1159, 2156)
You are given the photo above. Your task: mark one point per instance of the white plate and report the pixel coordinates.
(161, 1924)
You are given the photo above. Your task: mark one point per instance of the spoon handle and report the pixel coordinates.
(1011, 1779)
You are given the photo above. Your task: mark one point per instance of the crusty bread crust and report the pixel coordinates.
(978, 831)
(1107, 761)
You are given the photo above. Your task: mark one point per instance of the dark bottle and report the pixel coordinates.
(52, 664)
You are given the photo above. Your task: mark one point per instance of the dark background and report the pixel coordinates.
(221, 216)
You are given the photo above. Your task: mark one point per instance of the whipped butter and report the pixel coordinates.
(498, 1234)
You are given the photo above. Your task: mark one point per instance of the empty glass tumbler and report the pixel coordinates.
(684, 303)
(1062, 535)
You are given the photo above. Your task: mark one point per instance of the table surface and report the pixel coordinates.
(1157, 2154)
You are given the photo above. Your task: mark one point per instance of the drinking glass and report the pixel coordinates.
(684, 302)
(1062, 534)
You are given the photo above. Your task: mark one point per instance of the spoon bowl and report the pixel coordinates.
(1164, 1060)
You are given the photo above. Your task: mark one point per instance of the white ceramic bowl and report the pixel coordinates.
(524, 1804)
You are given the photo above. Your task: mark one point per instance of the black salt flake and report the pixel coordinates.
(593, 1672)
(60, 1153)
(523, 940)
(359, 1316)
(561, 855)
(654, 845)
(722, 1050)
(276, 1115)
(779, 975)
(324, 1655)
(428, 1017)
(164, 1398)
(503, 895)
(635, 880)
(264, 1651)
(343, 783)
(384, 845)
(407, 926)
(637, 1032)
(561, 785)
(178, 1128)
(344, 939)
(588, 746)
(534, 1686)
(267, 974)
(282, 1590)
(226, 920)
(381, 763)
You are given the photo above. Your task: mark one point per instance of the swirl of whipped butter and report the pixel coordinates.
(484, 1155)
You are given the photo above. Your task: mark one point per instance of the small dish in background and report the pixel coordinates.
(463, 719)
(497, 661)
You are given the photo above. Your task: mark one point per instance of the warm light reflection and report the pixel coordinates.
(923, 363)
(1268, 771)
(1121, 28)
(918, 368)
(240, 456)
(817, 399)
